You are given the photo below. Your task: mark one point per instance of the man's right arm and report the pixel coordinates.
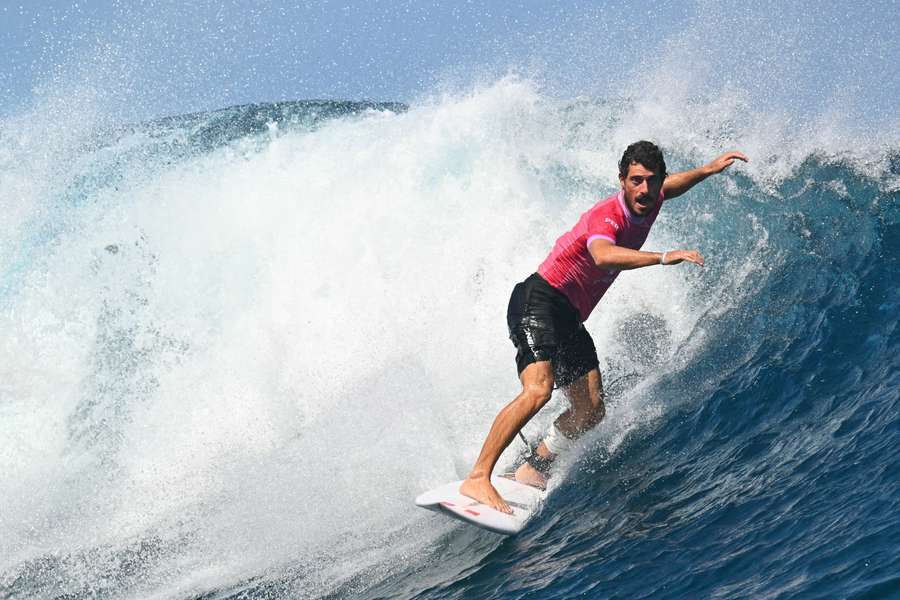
(607, 255)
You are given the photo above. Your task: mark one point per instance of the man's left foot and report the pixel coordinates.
(530, 476)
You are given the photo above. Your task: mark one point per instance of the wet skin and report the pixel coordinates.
(641, 189)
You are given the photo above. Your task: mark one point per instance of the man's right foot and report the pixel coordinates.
(480, 489)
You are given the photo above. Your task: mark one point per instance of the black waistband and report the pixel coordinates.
(537, 281)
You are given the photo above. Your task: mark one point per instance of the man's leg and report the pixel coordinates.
(537, 386)
(586, 407)
(586, 410)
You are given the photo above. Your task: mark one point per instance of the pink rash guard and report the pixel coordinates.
(570, 267)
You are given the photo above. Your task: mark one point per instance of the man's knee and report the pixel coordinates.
(598, 411)
(538, 393)
(587, 407)
(537, 385)
(596, 408)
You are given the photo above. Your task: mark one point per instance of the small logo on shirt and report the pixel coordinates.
(611, 222)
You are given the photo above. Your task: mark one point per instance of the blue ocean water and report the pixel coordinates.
(236, 345)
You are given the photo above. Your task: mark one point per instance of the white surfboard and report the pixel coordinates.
(523, 499)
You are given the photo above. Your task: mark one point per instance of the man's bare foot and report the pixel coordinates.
(480, 489)
(530, 476)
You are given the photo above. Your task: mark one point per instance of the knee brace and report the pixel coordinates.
(556, 441)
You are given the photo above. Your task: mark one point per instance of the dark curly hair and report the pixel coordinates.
(643, 153)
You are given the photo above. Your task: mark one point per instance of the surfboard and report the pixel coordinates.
(525, 500)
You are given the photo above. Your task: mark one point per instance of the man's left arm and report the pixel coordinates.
(678, 183)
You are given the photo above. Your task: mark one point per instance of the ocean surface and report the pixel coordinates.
(235, 345)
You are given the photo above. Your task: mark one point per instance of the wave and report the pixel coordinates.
(238, 343)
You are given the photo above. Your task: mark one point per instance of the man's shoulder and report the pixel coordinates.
(605, 218)
(607, 208)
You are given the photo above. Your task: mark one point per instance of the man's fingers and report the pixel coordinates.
(677, 256)
(728, 158)
(731, 156)
(694, 257)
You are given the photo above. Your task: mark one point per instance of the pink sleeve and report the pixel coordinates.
(603, 226)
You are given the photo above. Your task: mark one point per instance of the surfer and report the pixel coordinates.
(547, 311)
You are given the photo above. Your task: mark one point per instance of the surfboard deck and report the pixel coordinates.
(523, 499)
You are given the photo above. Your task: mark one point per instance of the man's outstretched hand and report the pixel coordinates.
(724, 161)
(678, 183)
(674, 257)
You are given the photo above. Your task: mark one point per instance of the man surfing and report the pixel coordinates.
(547, 311)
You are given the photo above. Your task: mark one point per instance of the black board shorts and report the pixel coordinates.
(543, 325)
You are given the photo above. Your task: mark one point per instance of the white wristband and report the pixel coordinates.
(662, 259)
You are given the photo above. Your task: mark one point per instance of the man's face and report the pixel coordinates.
(641, 187)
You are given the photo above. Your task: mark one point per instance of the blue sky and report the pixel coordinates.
(165, 57)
